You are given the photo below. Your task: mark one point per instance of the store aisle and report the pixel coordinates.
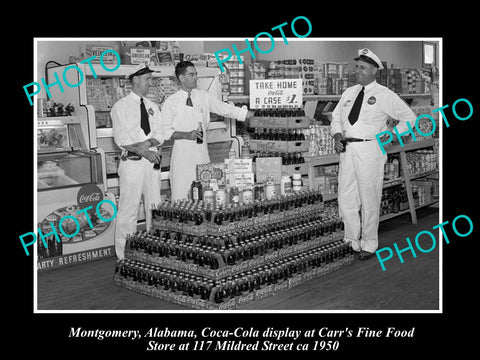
(413, 285)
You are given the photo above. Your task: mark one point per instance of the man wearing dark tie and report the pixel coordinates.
(185, 117)
(362, 113)
(137, 131)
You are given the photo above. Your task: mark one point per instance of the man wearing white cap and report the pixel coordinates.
(137, 131)
(362, 113)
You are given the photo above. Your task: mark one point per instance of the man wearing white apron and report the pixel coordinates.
(182, 113)
(359, 116)
(137, 131)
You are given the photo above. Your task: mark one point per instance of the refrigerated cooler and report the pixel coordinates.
(68, 172)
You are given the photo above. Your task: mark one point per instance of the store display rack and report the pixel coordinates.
(405, 179)
(195, 266)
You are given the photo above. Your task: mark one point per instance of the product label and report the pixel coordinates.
(195, 193)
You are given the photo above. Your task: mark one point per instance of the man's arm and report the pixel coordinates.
(336, 125)
(229, 110)
(399, 110)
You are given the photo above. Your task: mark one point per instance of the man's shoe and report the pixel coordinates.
(365, 255)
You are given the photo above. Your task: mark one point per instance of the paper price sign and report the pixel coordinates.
(275, 93)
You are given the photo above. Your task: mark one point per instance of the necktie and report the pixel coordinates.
(144, 118)
(189, 100)
(353, 116)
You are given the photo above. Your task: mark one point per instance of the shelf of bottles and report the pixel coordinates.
(213, 258)
(281, 132)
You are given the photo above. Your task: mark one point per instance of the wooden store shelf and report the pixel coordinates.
(392, 215)
(393, 182)
(423, 174)
(313, 161)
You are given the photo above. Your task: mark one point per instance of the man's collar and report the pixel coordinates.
(135, 96)
(371, 85)
(186, 92)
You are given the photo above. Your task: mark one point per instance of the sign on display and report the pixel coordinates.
(275, 93)
(139, 56)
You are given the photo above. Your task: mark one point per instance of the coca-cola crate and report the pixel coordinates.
(295, 169)
(280, 146)
(238, 301)
(264, 292)
(294, 122)
(225, 270)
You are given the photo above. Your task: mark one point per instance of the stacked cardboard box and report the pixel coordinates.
(308, 69)
(411, 82)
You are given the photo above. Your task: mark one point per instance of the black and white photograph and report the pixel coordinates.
(257, 182)
(242, 183)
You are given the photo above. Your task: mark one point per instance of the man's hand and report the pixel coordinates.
(338, 144)
(141, 147)
(152, 156)
(193, 135)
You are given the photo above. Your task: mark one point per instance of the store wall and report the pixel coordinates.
(403, 54)
(400, 53)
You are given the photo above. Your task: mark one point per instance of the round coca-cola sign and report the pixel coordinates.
(89, 195)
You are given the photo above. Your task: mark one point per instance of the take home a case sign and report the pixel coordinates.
(275, 93)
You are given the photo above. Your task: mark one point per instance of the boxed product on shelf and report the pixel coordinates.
(392, 168)
(325, 179)
(268, 166)
(257, 71)
(425, 190)
(394, 199)
(207, 172)
(411, 81)
(326, 184)
(337, 86)
(101, 93)
(196, 59)
(321, 141)
(421, 161)
(321, 85)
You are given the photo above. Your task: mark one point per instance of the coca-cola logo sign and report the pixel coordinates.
(89, 195)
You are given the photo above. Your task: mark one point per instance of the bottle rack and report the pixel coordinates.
(281, 133)
(229, 267)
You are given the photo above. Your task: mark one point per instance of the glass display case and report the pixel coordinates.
(67, 172)
(64, 169)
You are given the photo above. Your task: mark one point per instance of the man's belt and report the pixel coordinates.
(356, 140)
(129, 155)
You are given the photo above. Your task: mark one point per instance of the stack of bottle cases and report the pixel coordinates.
(226, 258)
(281, 132)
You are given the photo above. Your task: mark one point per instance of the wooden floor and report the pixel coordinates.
(413, 285)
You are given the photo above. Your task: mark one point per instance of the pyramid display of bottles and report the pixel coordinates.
(212, 258)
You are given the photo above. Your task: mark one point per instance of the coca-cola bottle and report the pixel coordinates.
(205, 289)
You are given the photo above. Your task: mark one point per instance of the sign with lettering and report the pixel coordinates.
(275, 93)
(89, 195)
